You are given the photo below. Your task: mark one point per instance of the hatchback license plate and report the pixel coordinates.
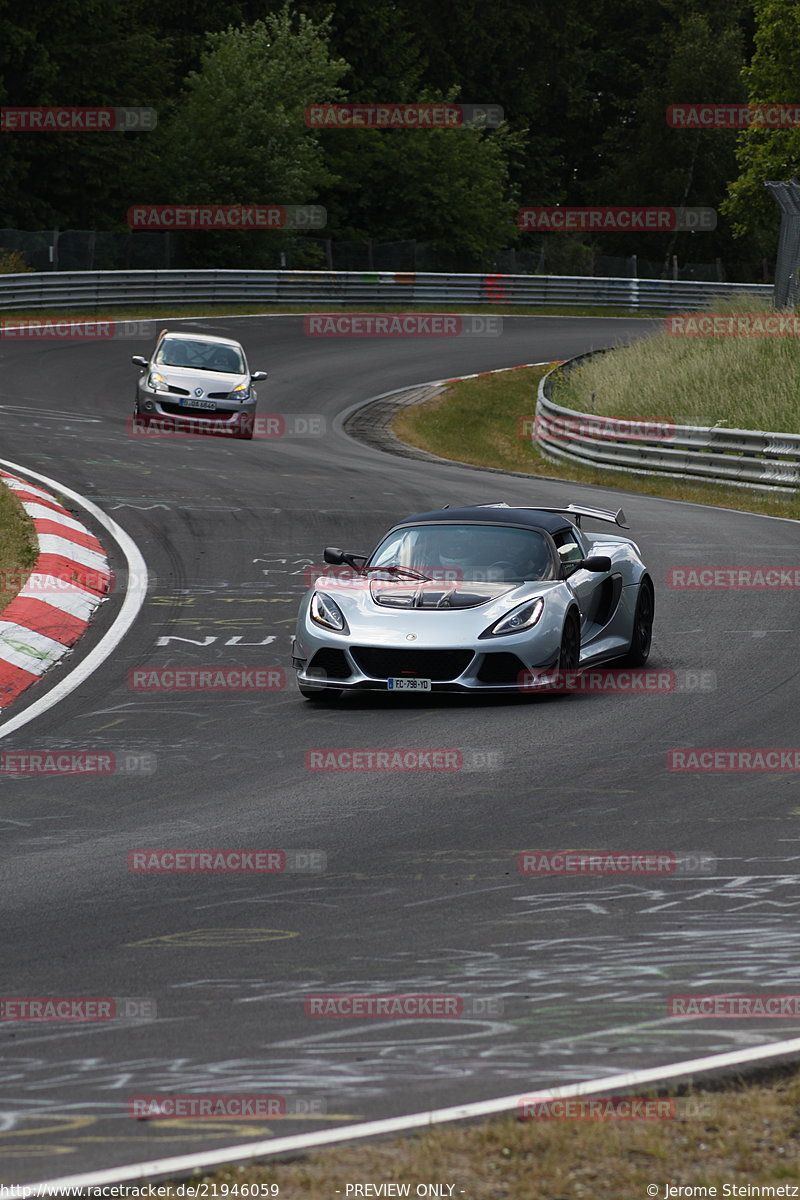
(408, 685)
(188, 402)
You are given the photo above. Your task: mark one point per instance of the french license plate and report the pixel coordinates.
(408, 685)
(188, 402)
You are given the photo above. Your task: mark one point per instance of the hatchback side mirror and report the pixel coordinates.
(257, 376)
(139, 360)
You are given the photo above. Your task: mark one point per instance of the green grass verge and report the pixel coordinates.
(18, 545)
(743, 382)
(740, 1135)
(481, 421)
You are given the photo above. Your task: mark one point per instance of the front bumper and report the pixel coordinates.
(164, 409)
(362, 668)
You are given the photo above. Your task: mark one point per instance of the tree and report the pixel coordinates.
(446, 187)
(698, 58)
(81, 54)
(767, 154)
(239, 134)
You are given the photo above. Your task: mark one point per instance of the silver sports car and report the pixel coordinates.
(475, 599)
(196, 383)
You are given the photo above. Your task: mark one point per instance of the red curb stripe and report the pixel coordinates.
(87, 540)
(94, 579)
(13, 680)
(36, 614)
(32, 498)
(44, 618)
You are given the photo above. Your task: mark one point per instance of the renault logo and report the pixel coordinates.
(198, 391)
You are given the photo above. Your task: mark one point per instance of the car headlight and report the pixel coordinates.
(156, 382)
(242, 392)
(523, 617)
(326, 612)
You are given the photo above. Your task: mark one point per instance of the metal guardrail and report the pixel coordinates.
(107, 289)
(738, 457)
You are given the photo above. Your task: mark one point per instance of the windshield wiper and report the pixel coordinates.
(408, 572)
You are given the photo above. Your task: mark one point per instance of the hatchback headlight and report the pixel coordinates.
(242, 392)
(326, 612)
(523, 617)
(156, 382)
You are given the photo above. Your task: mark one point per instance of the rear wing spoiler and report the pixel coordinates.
(576, 511)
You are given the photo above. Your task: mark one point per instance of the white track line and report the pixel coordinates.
(131, 605)
(185, 1163)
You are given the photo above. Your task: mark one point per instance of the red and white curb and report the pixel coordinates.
(500, 370)
(69, 581)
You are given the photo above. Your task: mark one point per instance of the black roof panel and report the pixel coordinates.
(486, 514)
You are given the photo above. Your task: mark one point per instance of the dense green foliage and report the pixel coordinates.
(584, 85)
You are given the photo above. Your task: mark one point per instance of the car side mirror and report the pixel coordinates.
(597, 562)
(139, 360)
(335, 556)
(257, 376)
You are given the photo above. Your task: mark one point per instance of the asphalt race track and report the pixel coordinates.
(567, 978)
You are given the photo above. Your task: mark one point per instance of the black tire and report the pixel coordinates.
(319, 695)
(569, 656)
(642, 636)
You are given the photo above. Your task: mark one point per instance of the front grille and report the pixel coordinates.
(329, 664)
(218, 395)
(501, 668)
(426, 664)
(176, 391)
(183, 410)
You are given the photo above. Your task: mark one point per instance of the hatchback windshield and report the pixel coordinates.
(471, 552)
(202, 356)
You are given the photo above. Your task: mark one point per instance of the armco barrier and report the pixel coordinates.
(106, 289)
(737, 457)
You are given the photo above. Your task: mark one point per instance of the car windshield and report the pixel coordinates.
(479, 553)
(200, 356)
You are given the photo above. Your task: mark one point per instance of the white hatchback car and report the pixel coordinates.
(197, 383)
